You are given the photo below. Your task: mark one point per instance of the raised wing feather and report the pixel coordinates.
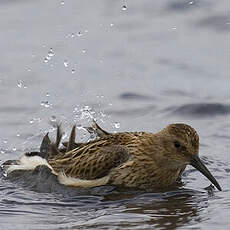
(94, 159)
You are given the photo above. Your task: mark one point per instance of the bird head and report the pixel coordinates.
(181, 144)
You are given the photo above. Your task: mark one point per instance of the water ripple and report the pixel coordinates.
(200, 109)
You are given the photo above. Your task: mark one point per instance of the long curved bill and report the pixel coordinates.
(197, 163)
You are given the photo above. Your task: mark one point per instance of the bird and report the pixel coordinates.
(142, 160)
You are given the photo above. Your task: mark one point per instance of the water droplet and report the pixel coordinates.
(83, 51)
(20, 84)
(174, 28)
(79, 34)
(46, 59)
(5, 141)
(28, 69)
(73, 71)
(46, 104)
(75, 110)
(66, 63)
(47, 94)
(111, 24)
(117, 125)
(51, 53)
(100, 96)
(53, 118)
(124, 8)
(2, 151)
(102, 114)
(32, 121)
(35, 119)
(14, 149)
(191, 2)
(18, 135)
(86, 112)
(62, 3)
(79, 127)
(72, 35)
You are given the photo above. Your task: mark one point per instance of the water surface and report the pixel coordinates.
(132, 65)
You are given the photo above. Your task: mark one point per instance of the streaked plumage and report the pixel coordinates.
(129, 159)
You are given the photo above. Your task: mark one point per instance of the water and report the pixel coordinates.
(137, 68)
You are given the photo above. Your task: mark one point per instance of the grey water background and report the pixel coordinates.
(133, 66)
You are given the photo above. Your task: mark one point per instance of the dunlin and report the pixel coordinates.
(129, 159)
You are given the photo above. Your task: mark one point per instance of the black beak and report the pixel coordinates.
(197, 163)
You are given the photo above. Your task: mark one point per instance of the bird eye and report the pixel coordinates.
(177, 144)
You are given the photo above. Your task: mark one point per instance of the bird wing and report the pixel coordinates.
(94, 129)
(92, 161)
